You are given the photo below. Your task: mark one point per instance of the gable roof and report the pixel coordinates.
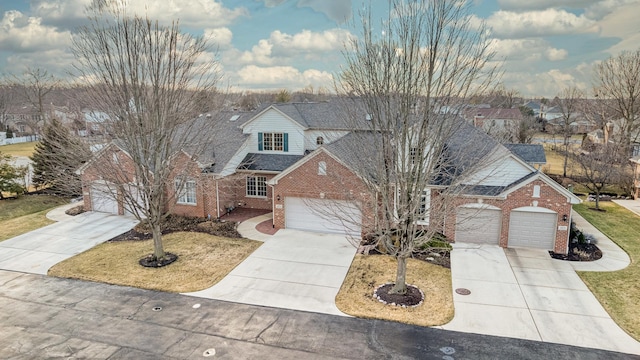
(530, 153)
(493, 113)
(320, 115)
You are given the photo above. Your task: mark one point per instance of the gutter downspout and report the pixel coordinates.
(273, 205)
(217, 201)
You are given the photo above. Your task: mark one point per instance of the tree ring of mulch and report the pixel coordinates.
(152, 262)
(413, 298)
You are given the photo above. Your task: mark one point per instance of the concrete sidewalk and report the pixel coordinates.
(631, 205)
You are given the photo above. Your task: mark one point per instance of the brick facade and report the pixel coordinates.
(339, 183)
(549, 198)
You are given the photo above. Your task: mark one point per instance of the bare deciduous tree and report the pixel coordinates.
(143, 76)
(36, 85)
(598, 166)
(569, 102)
(411, 78)
(618, 79)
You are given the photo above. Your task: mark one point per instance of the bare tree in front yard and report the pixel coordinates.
(35, 86)
(144, 77)
(411, 76)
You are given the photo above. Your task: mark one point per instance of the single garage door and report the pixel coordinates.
(321, 215)
(536, 229)
(477, 225)
(102, 200)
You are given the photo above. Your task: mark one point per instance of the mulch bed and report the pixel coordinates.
(579, 252)
(413, 297)
(153, 262)
(176, 223)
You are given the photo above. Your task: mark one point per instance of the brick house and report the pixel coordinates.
(288, 158)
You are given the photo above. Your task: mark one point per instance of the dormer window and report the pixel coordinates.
(319, 140)
(272, 141)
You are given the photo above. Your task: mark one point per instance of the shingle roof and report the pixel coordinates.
(530, 153)
(326, 115)
(268, 162)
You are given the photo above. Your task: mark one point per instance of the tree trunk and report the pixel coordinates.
(566, 156)
(400, 287)
(158, 249)
(597, 200)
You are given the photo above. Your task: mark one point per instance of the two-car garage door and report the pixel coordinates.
(322, 215)
(533, 227)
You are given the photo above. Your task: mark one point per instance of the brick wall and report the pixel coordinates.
(549, 199)
(339, 183)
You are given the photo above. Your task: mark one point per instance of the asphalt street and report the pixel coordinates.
(43, 318)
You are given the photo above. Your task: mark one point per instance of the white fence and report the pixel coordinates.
(16, 140)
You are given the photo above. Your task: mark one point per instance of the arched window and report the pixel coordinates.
(319, 140)
(322, 168)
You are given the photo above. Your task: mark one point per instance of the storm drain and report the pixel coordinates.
(463, 291)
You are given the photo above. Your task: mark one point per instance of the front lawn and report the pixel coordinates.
(26, 213)
(617, 291)
(203, 260)
(20, 149)
(369, 271)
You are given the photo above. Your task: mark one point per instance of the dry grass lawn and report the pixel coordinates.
(617, 291)
(555, 163)
(203, 260)
(23, 224)
(20, 149)
(26, 213)
(367, 272)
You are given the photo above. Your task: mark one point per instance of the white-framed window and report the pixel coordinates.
(273, 141)
(257, 186)
(425, 207)
(319, 140)
(413, 155)
(322, 168)
(186, 195)
(536, 191)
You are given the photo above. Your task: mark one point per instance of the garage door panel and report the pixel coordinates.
(102, 199)
(321, 215)
(532, 229)
(480, 226)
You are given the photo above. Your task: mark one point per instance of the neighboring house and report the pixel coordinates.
(494, 119)
(293, 160)
(635, 161)
(543, 111)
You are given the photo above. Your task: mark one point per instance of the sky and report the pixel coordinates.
(543, 45)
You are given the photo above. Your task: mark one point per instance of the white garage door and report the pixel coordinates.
(532, 229)
(481, 226)
(102, 200)
(321, 215)
(137, 198)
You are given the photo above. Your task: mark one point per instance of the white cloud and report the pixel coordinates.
(549, 83)
(600, 9)
(526, 50)
(190, 13)
(56, 61)
(275, 77)
(623, 23)
(281, 46)
(508, 24)
(336, 10)
(220, 37)
(543, 4)
(22, 33)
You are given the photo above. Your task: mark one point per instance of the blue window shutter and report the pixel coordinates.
(286, 142)
(259, 141)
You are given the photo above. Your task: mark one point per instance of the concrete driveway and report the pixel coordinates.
(293, 269)
(525, 294)
(37, 251)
